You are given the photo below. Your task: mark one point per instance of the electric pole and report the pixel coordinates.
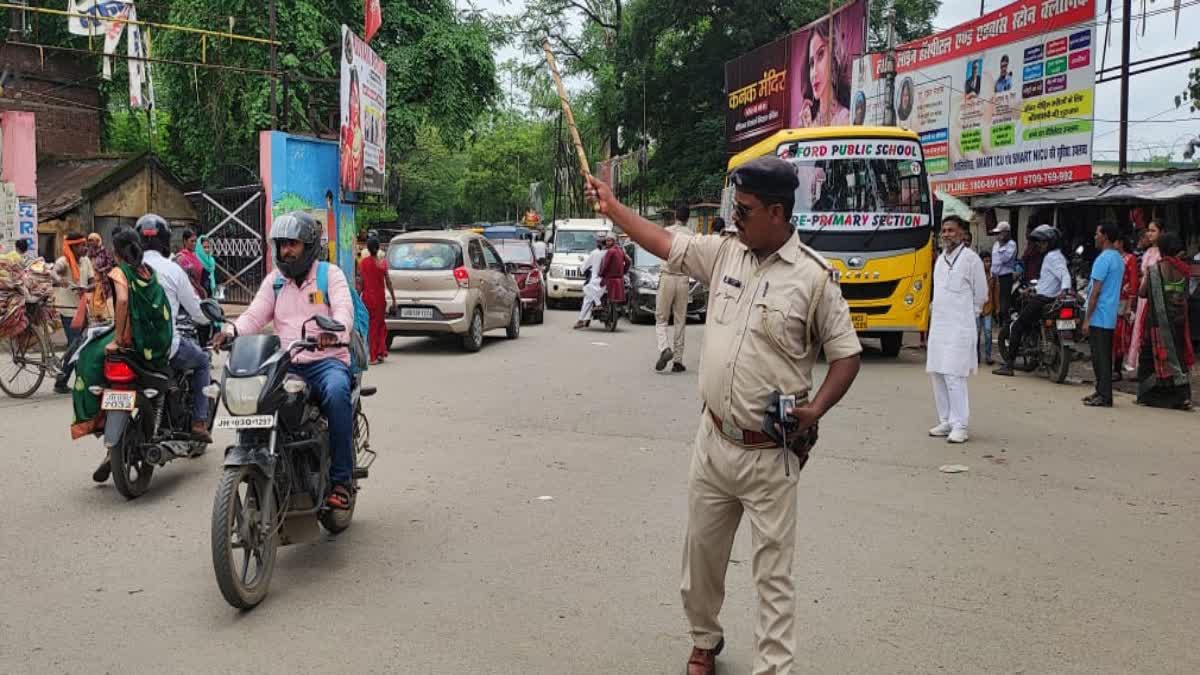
(1126, 29)
(889, 68)
(271, 21)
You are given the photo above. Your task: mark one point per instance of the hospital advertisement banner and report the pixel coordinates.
(363, 145)
(1005, 102)
(783, 84)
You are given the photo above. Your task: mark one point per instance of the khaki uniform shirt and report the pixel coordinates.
(767, 321)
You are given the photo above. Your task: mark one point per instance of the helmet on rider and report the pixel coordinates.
(301, 227)
(155, 233)
(1044, 233)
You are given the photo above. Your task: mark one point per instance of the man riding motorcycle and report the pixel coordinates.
(296, 239)
(186, 354)
(1054, 279)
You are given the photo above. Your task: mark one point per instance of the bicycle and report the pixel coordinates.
(31, 356)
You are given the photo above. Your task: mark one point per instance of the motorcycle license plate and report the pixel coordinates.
(245, 422)
(118, 400)
(859, 321)
(416, 313)
(1066, 325)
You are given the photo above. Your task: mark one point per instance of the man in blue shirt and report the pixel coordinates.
(1101, 317)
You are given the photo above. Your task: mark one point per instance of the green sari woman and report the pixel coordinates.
(143, 327)
(1167, 357)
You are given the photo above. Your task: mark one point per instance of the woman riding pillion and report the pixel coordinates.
(291, 296)
(142, 327)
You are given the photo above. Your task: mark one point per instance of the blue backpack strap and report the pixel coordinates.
(323, 281)
(278, 284)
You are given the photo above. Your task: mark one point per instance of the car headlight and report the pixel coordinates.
(556, 271)
(241, 394)
(648, 282)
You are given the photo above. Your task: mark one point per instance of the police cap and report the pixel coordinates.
(766, 176)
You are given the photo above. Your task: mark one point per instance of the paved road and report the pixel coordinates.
(1069, 547)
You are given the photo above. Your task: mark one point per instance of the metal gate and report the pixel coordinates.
(235, 220)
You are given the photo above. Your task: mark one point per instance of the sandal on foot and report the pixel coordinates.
(339, 498)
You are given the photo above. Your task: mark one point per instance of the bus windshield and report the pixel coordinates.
(858, 191)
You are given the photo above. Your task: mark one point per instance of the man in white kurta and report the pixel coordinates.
(952, 352)
(593, 290)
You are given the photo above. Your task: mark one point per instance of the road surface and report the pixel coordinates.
(1069, 547)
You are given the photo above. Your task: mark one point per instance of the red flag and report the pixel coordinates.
(374, 17)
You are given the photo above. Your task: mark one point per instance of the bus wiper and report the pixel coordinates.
(874, 232)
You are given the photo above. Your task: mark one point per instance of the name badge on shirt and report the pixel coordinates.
(732, 282)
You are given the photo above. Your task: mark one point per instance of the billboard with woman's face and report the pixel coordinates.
(802, 80)
(363, 145)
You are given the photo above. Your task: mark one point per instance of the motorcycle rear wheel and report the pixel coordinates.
(1059, 365)
(131, 473)
(238, 525)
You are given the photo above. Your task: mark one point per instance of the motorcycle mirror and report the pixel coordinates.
(328, 324)
(212, 310)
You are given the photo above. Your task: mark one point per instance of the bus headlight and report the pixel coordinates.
(917, 285)
(909, 300)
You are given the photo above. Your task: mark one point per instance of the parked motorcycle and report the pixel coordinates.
(276, 477)
(147, 419)
(1051, 344)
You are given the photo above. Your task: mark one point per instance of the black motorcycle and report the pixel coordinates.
(1051, 344)
(276, 477)
(147, 418)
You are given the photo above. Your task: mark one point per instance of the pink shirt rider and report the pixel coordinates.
(297, 304)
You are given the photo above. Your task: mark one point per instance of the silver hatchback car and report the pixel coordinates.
(450, 283)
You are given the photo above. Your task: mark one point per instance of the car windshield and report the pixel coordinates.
(514, 252)
(644, 258)
(576, 241)
(424, 255)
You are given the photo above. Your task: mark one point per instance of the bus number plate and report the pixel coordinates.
(859, 321)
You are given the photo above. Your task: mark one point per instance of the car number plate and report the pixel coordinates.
(118, 400)
(416, 313)
(246, 422)
(859, 321)
(1066, 325)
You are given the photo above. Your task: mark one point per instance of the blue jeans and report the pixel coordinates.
(72, 336)
(189, 356)
(330, 380)
(984, 324)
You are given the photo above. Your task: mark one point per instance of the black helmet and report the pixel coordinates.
(155, 233)
(301, 227)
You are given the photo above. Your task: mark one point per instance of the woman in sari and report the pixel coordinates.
(1150, 258)
(142, 327)
(1130, 283)
(1166, 346)
(100, 306)
(204, 254)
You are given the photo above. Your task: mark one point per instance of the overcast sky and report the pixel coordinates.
(1156, 126)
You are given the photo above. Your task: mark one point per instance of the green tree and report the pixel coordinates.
(429, 178)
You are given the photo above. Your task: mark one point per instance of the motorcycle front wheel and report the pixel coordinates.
(243, 541)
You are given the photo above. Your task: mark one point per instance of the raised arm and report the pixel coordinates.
(650, 236)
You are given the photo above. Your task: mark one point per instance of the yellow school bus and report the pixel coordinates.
(864, 204)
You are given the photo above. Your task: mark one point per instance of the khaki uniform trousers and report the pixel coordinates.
(672, 300)
(725, 480)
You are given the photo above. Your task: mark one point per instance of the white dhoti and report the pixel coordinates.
(950, 397)
(593, 293)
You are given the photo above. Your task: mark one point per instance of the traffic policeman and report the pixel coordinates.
(774, 304)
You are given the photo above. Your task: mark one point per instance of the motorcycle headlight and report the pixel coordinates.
(241, 394)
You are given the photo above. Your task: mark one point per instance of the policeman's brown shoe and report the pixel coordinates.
(704, 661)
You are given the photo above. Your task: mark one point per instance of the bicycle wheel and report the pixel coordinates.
(23, 362)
